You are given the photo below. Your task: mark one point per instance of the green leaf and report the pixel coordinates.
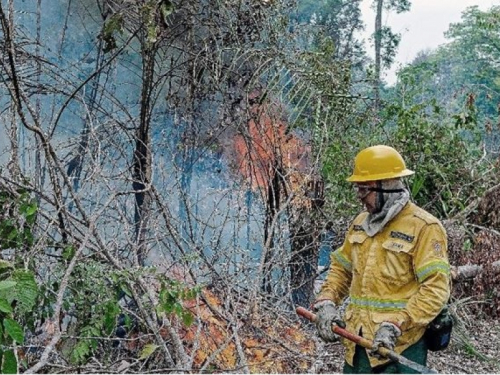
(128, 321)
(191, 293)
(9, 363)
(5, 264)
(68, 252)
(187, 318)
(113, 25)
(417, 185)
(467, 245)
(80, 351)
(12, 233)
(28, 237)
(93, 343)
(28, 208)
(159, 309)
(147, 351)
(26, 291)
(166, 9)
(14, 330)
(7, 284)
(124, 287)
(32, 208)
(178, 310)
(111, 312)
(5, 306)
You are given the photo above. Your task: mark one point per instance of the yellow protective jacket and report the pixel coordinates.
(400, 275)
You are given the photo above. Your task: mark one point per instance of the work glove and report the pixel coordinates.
(386, 336)
(326, 316)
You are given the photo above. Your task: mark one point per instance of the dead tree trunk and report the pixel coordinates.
(469, 271)
(142, 157)
(272, 209)
(378, 52)
(305, 244)
(302, 265)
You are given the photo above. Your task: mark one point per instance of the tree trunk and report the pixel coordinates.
(272, 209)
(302, 265)
(470, 271)
(75, 165)
(142, 158)
(39, 175)
(305, 246)
(378, 52)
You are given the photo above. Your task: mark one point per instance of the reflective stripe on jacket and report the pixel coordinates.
(400, 275)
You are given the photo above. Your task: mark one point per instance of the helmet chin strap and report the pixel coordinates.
(380, 197)
(379, 189)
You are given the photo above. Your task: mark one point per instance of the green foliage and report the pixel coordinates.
(24, 290)
(148, 17)
(480, 28)
(14, 330)
(446, 101)
(399, 6)
(18, 295)
(324, 104)
(389, 45)
(18, 288)
(166, 9)
(172, 295)
(467, 246)
(464, 68)
(337, 20)
(17, 217)
(147, 351)
(386, 41)
(476, 55)
(9, 362)
(337, 166)
(444, 178)
(68, 252)
(112, 26)
(334, 115)
(93, 302)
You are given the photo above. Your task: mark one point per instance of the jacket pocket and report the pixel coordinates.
(357, 238)
(396, 262)
(358, 242)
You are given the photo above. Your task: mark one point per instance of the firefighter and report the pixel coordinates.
(393, 266)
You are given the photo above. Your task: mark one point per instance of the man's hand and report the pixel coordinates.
(386, 336)
(327, 315)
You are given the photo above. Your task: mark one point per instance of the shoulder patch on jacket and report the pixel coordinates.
(402, 236)
(438, 247)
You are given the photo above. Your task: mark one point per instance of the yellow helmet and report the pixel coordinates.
(378, 163)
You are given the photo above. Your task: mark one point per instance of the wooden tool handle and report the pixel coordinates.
(368, 344)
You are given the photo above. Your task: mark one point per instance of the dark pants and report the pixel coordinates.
(361, 365)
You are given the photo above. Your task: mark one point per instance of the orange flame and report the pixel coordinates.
(266, 146)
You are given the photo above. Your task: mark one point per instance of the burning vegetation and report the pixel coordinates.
(266, 151)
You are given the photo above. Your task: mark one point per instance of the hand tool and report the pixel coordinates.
(365, 343)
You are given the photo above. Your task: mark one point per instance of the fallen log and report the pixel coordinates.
(470, 271)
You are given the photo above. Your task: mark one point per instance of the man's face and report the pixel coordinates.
(367, 197)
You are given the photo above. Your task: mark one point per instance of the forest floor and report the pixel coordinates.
(473, 352)
(478, 354)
